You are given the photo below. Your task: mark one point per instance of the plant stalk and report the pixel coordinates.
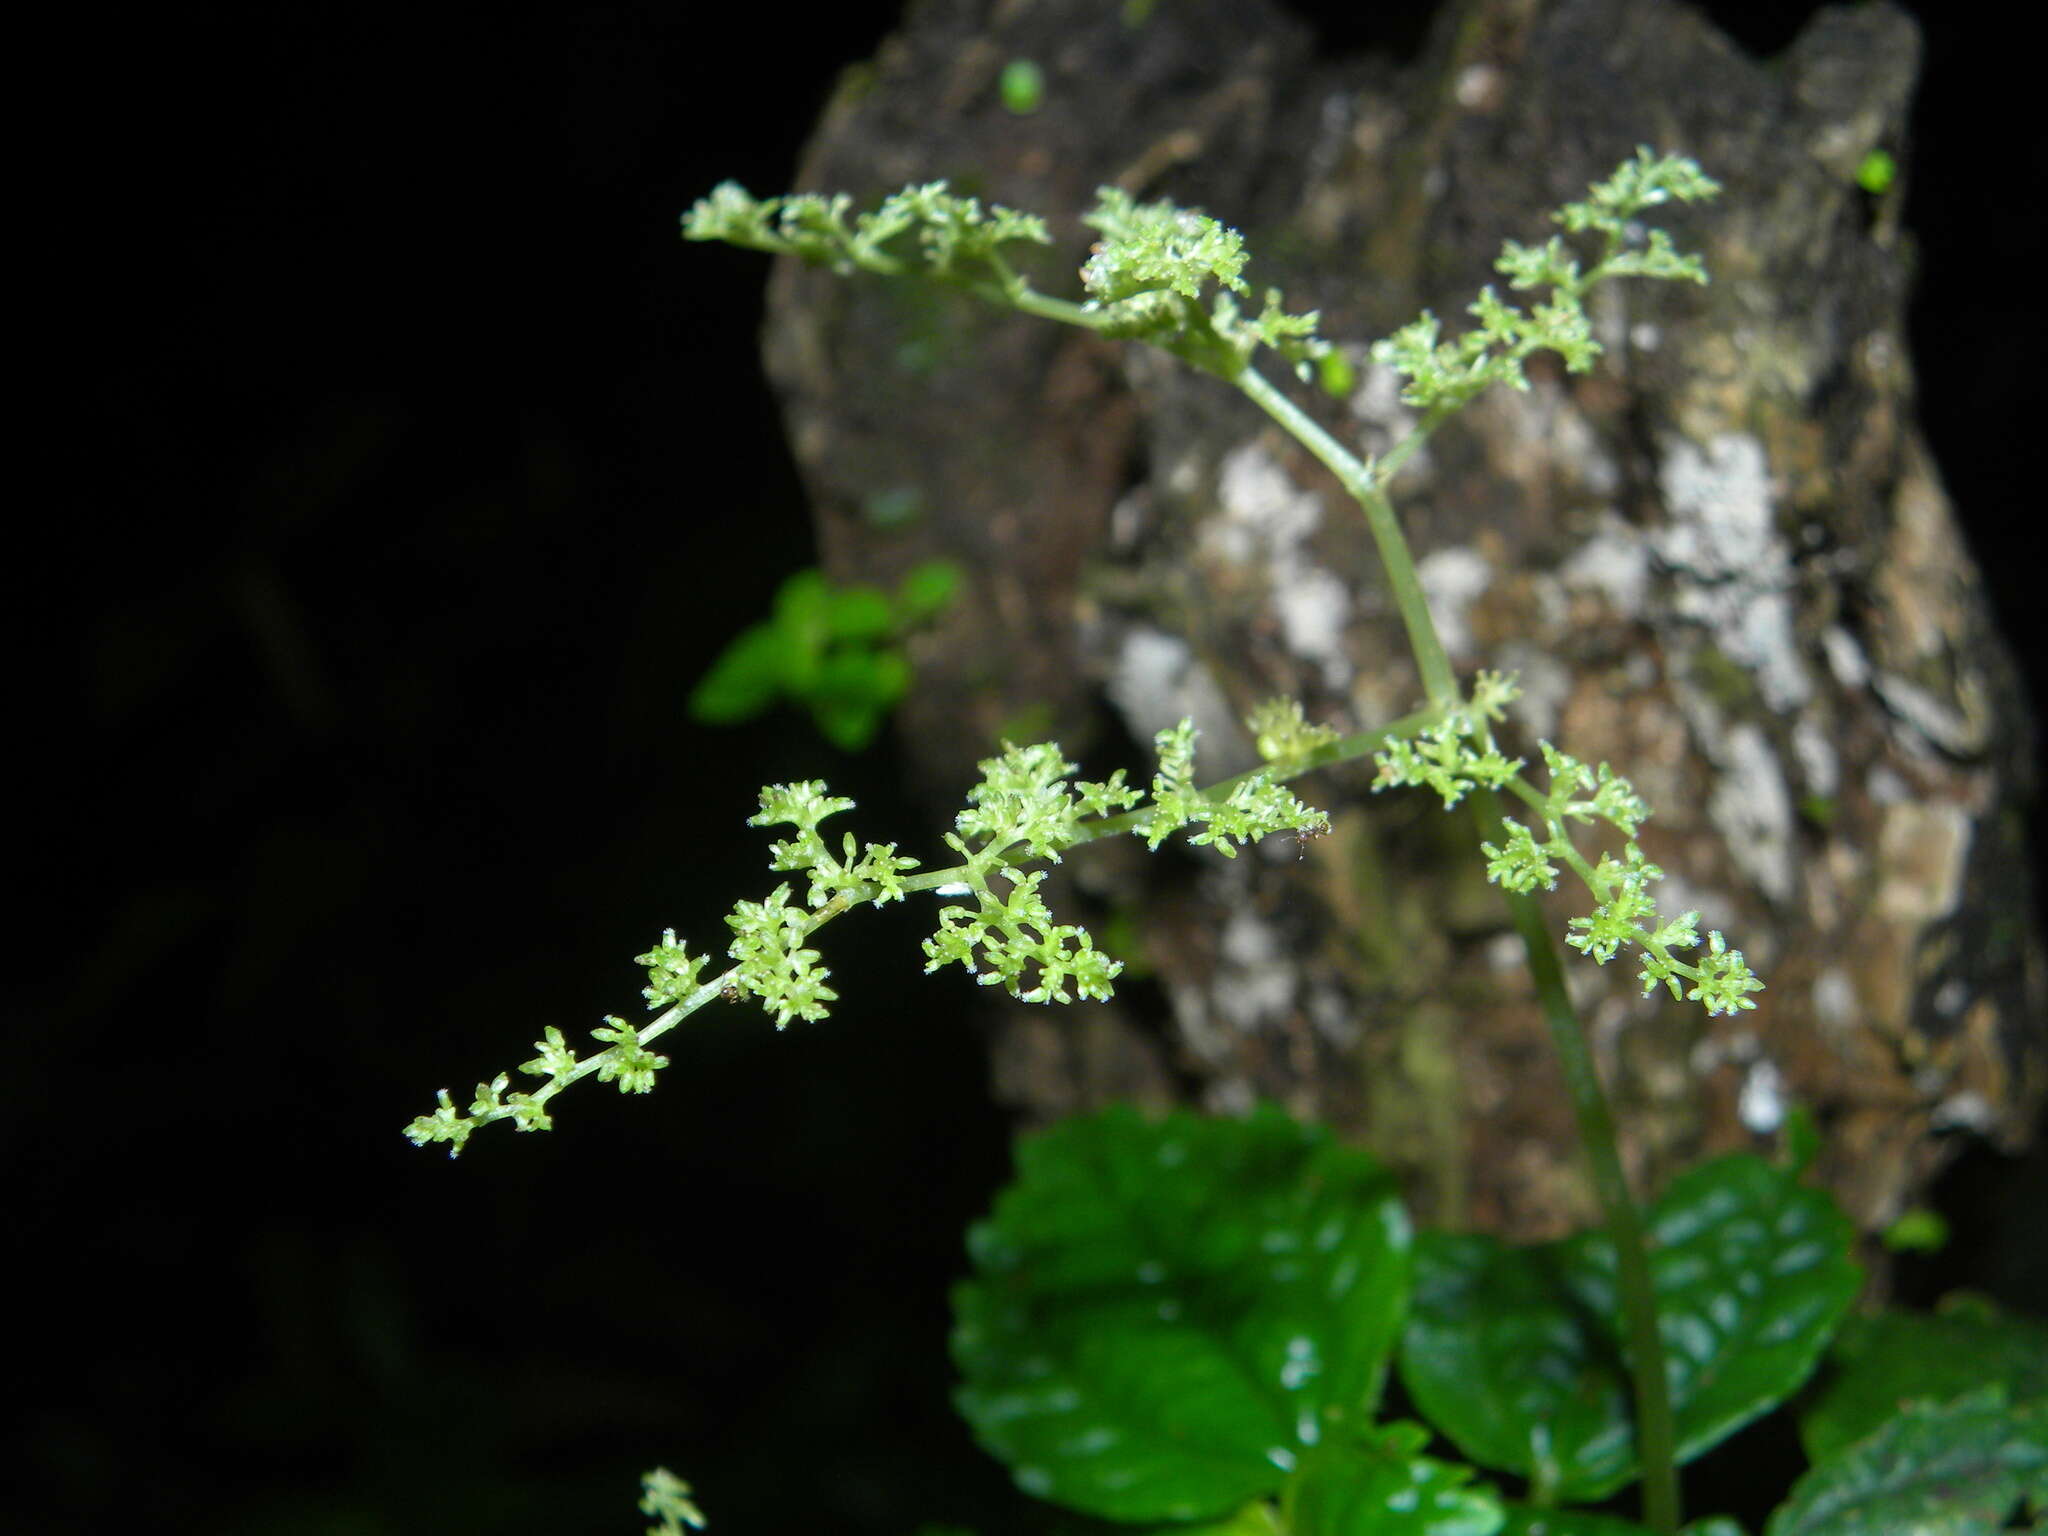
(1656, 1435)
(1439, 682)
(1656, 1431)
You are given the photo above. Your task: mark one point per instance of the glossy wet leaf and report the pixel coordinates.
(1932, 1469)
(1165, 1316)
(1380, 1486)
(1515, 1352)
(1881, 1362)
(1523, 1520)
(1258, 1518)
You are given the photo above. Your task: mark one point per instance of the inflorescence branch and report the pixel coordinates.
(1024, 810)
(1171, 276)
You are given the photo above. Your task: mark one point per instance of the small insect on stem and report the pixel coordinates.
(730, 992)
(1306, 836)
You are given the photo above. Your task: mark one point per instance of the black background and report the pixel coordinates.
(405, 470)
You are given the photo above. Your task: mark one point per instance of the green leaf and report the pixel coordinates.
(874, 680)
(803, 605)
(1500, 1357)
(1896, 1357)
(858, 612)
(1258, 1518)
(1022, 87)
(1527, 1520)
(1919, 1230)
(1381, 1487)
(848, 723)
(926, 589)
(828, 648)
(1954, 1469)
(1164, 1316)
(744, 680)
(1875, 172)
(1515, 1352)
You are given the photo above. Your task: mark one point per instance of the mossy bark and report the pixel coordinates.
(1723, 562)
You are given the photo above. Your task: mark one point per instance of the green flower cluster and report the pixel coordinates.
(1455, 755)
(667, 1497)
(1443, 375)
(1171, 276)
(953, 233)
(1255, 807)
(1458, 755)
(1146, 277)
(1023, 809)
(1283, 735)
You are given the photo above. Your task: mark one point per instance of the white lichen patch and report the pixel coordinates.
(1314, 609)
(1452, 580)
(1885, 787)
(1377, 406)
(1929, 718)
(1751, 806)
(1760, 1104)
(1532, 433)
(1845, 657)
(1333, 1015)
(1834, 997)
(1264, 512)
(1156, 682)
(1965, 1111)
(1254, 980)
(1479, 87)
(1614, 563)
(1268, 523)
(1504, 953)
(1733, 574)
(1819, 766)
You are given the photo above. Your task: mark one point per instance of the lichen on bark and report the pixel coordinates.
(1723, 562)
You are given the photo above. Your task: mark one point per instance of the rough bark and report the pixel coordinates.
(1723, 562)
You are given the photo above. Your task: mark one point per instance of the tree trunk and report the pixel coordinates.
(1722, 562)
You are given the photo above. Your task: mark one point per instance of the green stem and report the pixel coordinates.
(1439, 682)
(1656, 1437)
(1656, 1432)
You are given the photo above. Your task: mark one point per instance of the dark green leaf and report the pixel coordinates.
(1258, 1518)
(1933, 1469)
(1501, 1356)
(1380, 1486)
(873, 680)
(744, 680)
(1526, 1520)
(1164, 1316)
(849, 724)
(1523, 1520)
(1515, 1354)
(1895, 1357)
(1800, 1139)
